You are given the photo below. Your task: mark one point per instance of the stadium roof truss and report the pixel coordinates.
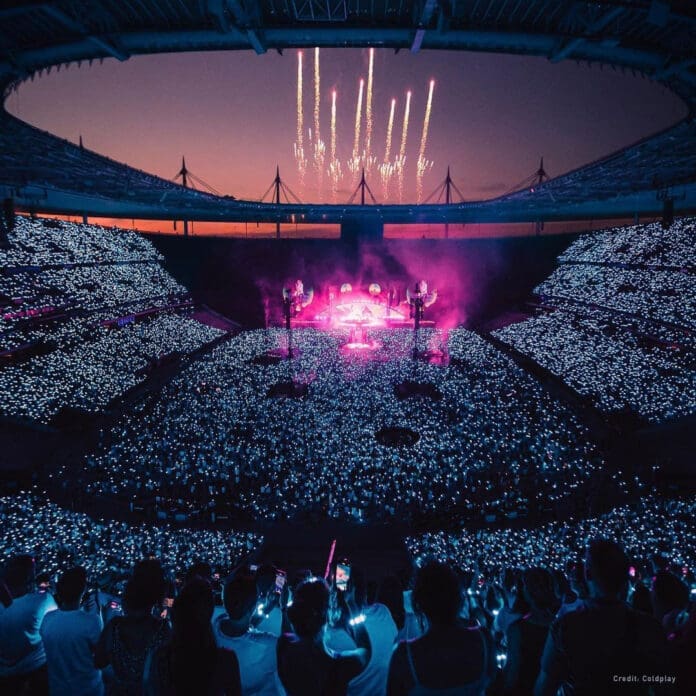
(654, 38)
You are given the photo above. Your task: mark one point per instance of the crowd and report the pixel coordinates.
(89, 288)
(495, 443)
(645, 527)
(589, 616)
(43, 242)
(622, 332)
(642, 270)
(60, 282)
(637, 245)
(662, 295)
(57, 537)
(88, 374)
(99, 606)
(620, 362)
(79, 268)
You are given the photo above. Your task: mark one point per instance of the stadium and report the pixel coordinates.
(388, 442)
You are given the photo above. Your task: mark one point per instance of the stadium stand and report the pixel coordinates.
(60, 164)
(620, 329)
(85, 313)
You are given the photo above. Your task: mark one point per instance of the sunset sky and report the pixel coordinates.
(234, 115)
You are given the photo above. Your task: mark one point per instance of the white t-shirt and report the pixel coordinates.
(272, 623)
(21, 649)
(256, 652)
(382, 631)
(69, 639)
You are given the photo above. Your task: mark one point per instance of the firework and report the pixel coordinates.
(386, 169)
(354, 164)
(319, 147)
(334, 164)
(368, 113)
(401, 159)
(299, 143)
(333, 125)
(422, 165)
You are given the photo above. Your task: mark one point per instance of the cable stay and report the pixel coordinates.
(362, 187)
(278, 186)
(539, 177)
(445, 189)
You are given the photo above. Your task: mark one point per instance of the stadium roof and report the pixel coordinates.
(653, 37)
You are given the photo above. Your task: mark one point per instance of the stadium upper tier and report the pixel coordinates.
(44, 173)
(41, 172)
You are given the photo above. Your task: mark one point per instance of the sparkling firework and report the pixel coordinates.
(319, 146)
(423, 164)
(299, 143)
(368, 113)
(401, 159)
(386, 169)
(334, 165)
(354, 164)
(333, 125)
(324, 159)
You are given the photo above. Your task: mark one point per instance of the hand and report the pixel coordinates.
(90, 604)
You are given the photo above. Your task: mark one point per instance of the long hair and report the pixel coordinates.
(192, 652)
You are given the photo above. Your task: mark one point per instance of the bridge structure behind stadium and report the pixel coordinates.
(656, 176)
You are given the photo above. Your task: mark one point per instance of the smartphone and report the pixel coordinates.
(280, 580)
(342, 575)
(168, 602)
(632, 572)
(253, 568)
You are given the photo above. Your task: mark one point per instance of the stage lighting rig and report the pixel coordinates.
(295, 299)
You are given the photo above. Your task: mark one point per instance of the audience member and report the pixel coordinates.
(587, 649)
(305, 665)
(70, 635)
(191, 662)
(127, 640)
(382, 632)
(255, 649)
(449, 658)
(526, 636)
(22, 655)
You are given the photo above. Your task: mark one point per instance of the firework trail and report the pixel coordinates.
(368, 113)
(299, 143)
(354, 164)
(386, 169)
(333, 125)
(334, 164)
(319, 146)
(390, 128)
(401, 159)
(422, 164)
